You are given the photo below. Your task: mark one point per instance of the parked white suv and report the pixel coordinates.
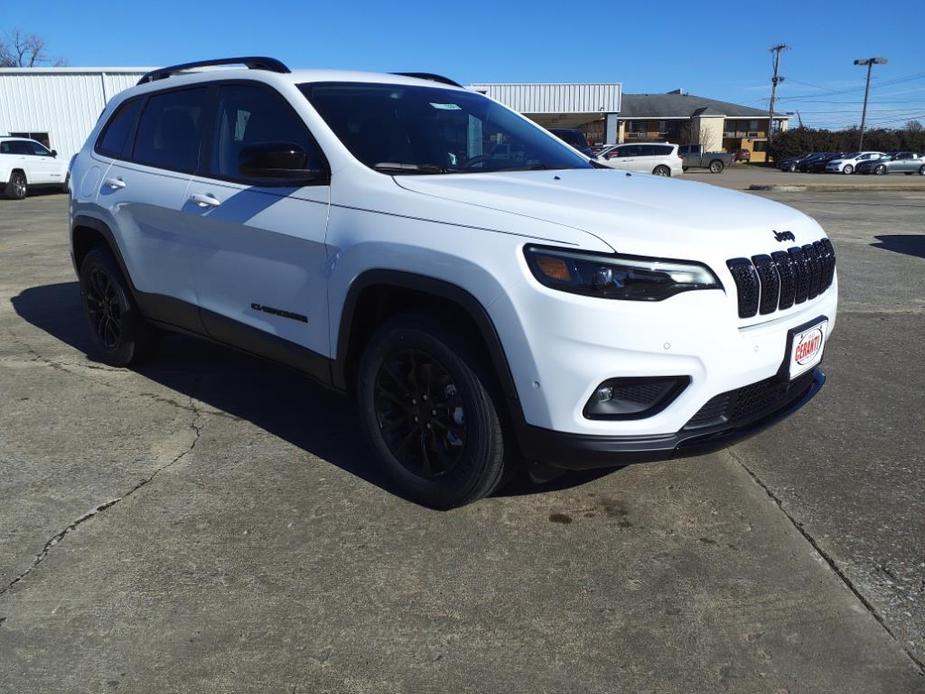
(661, 159)
(26, 164)
(848, 163)
(487, 294)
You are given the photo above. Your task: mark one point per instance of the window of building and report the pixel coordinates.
(170, 128)
(760, 146)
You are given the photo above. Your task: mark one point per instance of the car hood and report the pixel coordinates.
(632, 213)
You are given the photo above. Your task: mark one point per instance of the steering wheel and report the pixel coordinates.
(478, 161)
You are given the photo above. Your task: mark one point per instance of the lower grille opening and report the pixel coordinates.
(749, 403)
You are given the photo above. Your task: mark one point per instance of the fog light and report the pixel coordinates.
(634, 398)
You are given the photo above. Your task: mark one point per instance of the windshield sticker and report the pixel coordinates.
(446, 107)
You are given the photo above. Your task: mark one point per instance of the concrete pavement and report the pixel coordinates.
(212, 523)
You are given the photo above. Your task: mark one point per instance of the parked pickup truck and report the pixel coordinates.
(695, 158)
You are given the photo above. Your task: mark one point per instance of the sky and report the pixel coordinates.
(717, 49)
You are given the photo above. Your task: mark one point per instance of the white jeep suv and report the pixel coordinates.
(26, 164)
(487, 294)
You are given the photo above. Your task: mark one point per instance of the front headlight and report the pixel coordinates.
(627, 277)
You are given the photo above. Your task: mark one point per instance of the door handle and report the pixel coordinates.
(204, 201)
(115, 183)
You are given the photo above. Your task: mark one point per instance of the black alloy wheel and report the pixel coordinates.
(420, 413)
(119, 334)
(104, 308)
(426, 409)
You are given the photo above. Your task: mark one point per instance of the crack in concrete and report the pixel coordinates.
(830, 562)
(195, 424)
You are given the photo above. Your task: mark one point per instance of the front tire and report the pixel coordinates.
(119, 333)
(426, 410)
(16, 187)
(716, 166)
(848, 170)
(661, 171)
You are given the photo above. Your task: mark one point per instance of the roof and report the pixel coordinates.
(73, 70)
(676, 105)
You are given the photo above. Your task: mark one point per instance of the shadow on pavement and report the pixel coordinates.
(277, 399)
(907, 244)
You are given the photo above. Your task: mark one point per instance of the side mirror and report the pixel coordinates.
(281, 161)
(54, 153)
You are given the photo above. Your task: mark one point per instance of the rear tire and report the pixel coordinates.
(119, 333)
(716, 166)
(661, 171)
(922, 170)
(880, 170)
(792, 168)
(426, 410)
(16, 187)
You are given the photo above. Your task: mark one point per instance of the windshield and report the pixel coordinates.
(399, 129)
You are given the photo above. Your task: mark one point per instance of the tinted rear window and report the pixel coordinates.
(656, 150)
(115, 136)
(170, 129)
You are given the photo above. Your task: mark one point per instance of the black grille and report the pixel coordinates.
(750, 403)
(768, 283)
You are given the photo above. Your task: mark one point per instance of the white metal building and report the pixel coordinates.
(589, 105)
(60, 106)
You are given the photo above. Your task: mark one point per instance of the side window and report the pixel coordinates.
(20, 147)
(37, 149)
(169, 132)
(115, 135)
(249, 115)
(5, 148)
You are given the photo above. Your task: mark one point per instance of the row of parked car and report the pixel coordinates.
(659, 158)
(877, 163)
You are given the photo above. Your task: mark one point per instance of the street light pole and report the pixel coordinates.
(869, 62)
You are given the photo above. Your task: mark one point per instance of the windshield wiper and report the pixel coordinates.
(396, 168)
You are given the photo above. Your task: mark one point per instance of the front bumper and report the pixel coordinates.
(581, 451)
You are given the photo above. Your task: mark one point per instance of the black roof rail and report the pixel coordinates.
(429, 76)
(252, 62)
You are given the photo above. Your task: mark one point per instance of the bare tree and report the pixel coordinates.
(693, 132)
(18, 49)
(914, 126)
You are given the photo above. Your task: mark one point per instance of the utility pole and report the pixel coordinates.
(869, 62)
(775, 80)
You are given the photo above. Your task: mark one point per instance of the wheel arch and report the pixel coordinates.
(376, 294)
(89, 232)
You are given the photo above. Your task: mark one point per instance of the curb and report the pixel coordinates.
(836, 188)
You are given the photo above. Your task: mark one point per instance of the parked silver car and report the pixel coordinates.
(898, 162)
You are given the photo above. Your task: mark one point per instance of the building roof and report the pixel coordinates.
(680, 105)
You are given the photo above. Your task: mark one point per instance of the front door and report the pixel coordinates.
(43, 166)
(258, 244)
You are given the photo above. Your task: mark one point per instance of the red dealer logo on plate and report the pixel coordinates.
(808, 346)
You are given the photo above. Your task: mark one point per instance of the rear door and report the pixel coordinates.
(144, 191)
(258, 245)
